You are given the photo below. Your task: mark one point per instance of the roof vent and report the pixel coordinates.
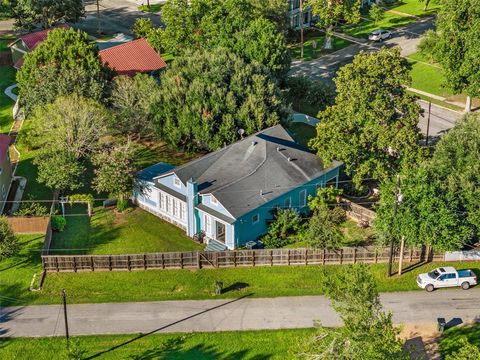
(278, 148)
(261, 192)
(254, 143)
(289, 158)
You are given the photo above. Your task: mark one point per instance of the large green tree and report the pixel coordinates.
(59, 171)
(458, 46)
(66, 62)
(367, 332)
(237, 25)
(132, 102)
(372, 127)
(206, 97)
(330, 12)
(47, 13)
(72, 124)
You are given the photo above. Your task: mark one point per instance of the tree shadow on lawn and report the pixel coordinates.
(99, 354)
(28, 257)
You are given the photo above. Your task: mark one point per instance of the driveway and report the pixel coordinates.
(414, 307)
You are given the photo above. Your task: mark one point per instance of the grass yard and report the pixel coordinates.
(365, 27)
(310, 53)
(7, 78)
(302, 133)
(427, 77)
(155, 285)
(450, 340)
(355, 235)
(154, 8)
(415, 7)
(266, 344)
(107, 232)
(16, 272)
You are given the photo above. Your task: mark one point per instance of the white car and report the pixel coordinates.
(446, 276)
(379, 35)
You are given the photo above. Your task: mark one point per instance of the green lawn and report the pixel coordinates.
(355, 235)
(107, 232)
(309, 53)
(153, 8)
(449, 342)
(258, 345)
(427, 77)
(365, 27)
(7, 78)
(16, 272)
(154, 285)
(301, 132)
(415, 7)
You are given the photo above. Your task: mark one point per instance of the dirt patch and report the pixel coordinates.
(422, 340)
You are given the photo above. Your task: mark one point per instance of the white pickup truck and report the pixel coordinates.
(446, 276)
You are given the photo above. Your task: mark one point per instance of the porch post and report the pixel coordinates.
(192, 200)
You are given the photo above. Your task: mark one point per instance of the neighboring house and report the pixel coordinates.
(133, 57)
(296, 15)
(26, 43)
(5, 169)
(230, 195)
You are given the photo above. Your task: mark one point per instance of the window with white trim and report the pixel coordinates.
(176, 182)
(208, 225)
(255, 219)
(161, 200)
(175, 208)
(168, 204)
(302, 201)
(183, 212)
(288, 202)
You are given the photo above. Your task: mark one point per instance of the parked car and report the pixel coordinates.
(379, 35)
(446, 276)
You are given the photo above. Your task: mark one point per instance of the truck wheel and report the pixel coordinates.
(465, 285)
(429, 288)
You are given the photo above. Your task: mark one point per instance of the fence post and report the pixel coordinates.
(110, 263)
(144, 261)
(411, 254)
(216, 260)
(271, 257)
(341, 256)
(376, 255)
(324, 256)
(199, 266)
(306, 256)
(234, 259)
(91, 263)
(288, 257)
(163, 261)
(354, 255)
(128, 262)
(253, 257)
(181, 260)
(56, 263)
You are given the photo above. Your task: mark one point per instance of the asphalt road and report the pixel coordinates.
(441, 120)
(415, 307)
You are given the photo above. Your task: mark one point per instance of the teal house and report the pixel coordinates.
(229, 195)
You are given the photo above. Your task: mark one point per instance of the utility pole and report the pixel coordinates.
(398, 198)
(98, 18)
(64, 298)
(428, 120)
(301, 29)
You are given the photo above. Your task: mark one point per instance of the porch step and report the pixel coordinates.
(215, 246)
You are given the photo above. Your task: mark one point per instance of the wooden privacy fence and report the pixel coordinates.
(226, 259)
(357, 212)
(29, 225)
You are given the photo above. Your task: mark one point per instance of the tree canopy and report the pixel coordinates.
(367, 332)
(66, 62)
(29, 13)
(237, 25)
(206, 97)
(458, 47)
(372, 127)
(330, 12)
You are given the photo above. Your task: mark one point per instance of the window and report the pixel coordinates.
(176, 182)
(175, 207)
(168, 203)
(255, 218)
(318, 186)
(288, 202)
(161, 200)
(214, 200)
(302, 201)
(182, 210)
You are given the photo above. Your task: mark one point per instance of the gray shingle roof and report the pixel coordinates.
(253, 171)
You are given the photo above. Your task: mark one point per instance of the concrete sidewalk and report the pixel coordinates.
(218, 315)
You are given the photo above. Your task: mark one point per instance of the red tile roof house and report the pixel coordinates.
(5, 169)
(133, 57)
(26, 43)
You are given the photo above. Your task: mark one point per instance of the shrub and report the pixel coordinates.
(58, 223)
(287, 222)
(32, 209)
(338, 215)
(323, 232)
(122, 205)
(8, 242)
(316, 94)
(427, 45)
(272, 241)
